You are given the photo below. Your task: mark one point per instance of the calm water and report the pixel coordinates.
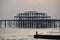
(24, 34)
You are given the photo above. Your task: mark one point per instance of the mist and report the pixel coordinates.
(10, 8)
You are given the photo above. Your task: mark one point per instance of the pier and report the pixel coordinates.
(31, 19)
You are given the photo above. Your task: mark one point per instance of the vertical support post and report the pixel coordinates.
(37, 24)
(54, 24)
(9, 24)
(41, 24)
(0, 24)
(46, 24)
(21, 20)
(5, 23)
(28, 22)
(59, 24)
(50, 24)
(16, 23)
(23, 23)
(32, 22)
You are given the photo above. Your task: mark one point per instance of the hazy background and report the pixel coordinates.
(9, 8)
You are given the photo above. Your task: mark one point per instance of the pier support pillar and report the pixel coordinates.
(0, 24)
(5, 23)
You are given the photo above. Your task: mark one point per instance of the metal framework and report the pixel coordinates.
(31, 19)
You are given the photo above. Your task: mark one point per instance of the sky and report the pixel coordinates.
(10, 8)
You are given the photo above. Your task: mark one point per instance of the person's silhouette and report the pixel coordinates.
(36, 33)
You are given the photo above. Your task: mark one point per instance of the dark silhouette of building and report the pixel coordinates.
(31, 19)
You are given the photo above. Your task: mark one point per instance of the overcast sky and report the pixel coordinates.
(9, 8)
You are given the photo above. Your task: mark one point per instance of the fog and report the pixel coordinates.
(9, 8)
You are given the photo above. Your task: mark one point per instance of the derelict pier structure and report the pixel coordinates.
(31, 19)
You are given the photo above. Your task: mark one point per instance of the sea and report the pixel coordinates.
(26, 33)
